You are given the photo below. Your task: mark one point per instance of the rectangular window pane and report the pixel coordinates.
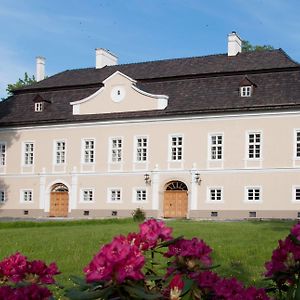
(27, 196)
(216, 147)
(60, 152)
(141, 195)
(2, 196)
(29, 153)
(253, 194)
(89, 151)
(176, 147)
(298, 144)
(141, 149)
(116, 150)
(88, 195)
(215, 194)
(254, 145)
(297, 194)
(2, 154)
(115, 195)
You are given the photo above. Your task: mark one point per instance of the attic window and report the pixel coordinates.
(38, 106)
(246, 91)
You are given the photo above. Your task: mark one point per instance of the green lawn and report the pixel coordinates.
(241, 248)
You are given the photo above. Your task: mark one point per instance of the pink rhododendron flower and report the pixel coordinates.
(229, 289)
(42, 271)
(176, 286)
(295, 231)
(253, 293)
(207, 280)
(118, 260)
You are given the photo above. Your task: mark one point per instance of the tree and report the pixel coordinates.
(247, 47)
(20, 83)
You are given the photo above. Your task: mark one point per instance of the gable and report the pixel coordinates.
(119, 94)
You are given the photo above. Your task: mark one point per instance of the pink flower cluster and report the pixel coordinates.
(17, 268)
(29, 292)
(285, 258)
(118, 260)
(193, 249)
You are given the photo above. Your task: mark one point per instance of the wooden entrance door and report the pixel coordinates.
(175, 204)
(59, 204)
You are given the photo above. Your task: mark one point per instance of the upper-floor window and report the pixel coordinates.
(116, 150)
(253, 193)
(254, 145)
(87, 195)
(216, 147)
(38, 106)
(2, 154)
(89, 151)
(176, 142)
(140, 195)
(114, 195)
(246, 91)
(215, 194)
(26, 196)
(297, 144)
(2, 196)
(141, 149)
(28, 153)
(60, 152)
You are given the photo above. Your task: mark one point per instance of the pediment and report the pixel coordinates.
(119, 94)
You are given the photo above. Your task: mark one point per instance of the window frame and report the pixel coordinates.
(82, 195)
(217, 146)
(255, 144)
(135, 195)
(110, 191)
(116, 158)
(25, 157)
(174, 157)
(246, 91)
(23, 192)
(214, 188)
(38, 106)
(254, 188)
(3, 154)
(56, 150)
(2, 196)
(87, 152)
(294, 193)
(144, 149)
(297, 144)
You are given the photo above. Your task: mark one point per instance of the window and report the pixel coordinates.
(215, 194)
(89, 151)
(141, 195)
(38, 106)
(297, 144)
(28, 153)
(176, 147)
(116, 150)
(216, 147)
(114, 195)
(87, 195)
(254, 145)
(26, 196)
(141, 149)
(60, 152)
(2, 196)
(2, 154)
(253, 194)
(297, 193)
(246, 91)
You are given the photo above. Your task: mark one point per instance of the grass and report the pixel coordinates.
(241, 248)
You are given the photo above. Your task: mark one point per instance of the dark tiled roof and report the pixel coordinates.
(278, 86)
(213, 64)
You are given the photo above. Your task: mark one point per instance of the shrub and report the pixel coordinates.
(138, 215)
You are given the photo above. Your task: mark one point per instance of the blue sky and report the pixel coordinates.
(66, 32)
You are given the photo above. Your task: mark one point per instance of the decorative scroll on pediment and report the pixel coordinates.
(119, 94)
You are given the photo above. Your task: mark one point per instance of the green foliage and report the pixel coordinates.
(247, 47)
(138, 215)
(20, 83)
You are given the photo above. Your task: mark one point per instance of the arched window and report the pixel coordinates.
(176, 186)
(59, 187)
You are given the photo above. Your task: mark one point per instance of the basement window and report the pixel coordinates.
(214, 214)
(252, 214)
(246, 91)
(38, 106)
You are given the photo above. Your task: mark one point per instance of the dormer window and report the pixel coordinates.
(246, 91)
(38, 106)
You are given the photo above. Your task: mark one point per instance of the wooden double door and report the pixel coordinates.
(59, 204)
(175, 204)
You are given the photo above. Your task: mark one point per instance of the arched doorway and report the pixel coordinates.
(59, 200)
(175, 200)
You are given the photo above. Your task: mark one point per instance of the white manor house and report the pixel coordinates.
(214, 137)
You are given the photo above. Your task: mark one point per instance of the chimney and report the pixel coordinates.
(40, 68)
(105, 58)
(234, 44)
